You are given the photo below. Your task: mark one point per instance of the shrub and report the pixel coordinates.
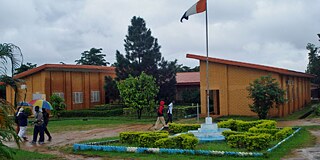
(130, 137)
(149, 139)
(283, 133)
(228, 133)
(180, 128)
(264, 130)
(244, 126)
(231, 124)
(257, 142)
(267, 124)
(183, 141)
(236, 140)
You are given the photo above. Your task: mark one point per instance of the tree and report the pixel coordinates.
(265, 93)
(138, 92)
(58, 105)
(92, 57)
(10, 53)
(182, 68)
(314, 62)
(7, 132)
(112, 92)
(24, 67)
(143, 55)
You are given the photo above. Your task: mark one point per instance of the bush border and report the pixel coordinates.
(100, 146)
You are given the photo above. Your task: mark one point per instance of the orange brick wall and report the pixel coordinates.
(232, 81)
(67, 82)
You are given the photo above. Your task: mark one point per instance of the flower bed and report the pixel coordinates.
(108, 147)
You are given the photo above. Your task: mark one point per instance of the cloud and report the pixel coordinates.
(269, 32)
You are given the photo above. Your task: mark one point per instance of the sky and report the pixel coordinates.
(267, 32)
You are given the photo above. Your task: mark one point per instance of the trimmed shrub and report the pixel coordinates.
(181, 128)
(231, 124)
(243, 126)
(228, 133)
(236, 140)
(165, 143)
(149, 139)
(267, 124)
(183, 141)
(257, 142)
(264, 130)
(130, 137)
(283, 133)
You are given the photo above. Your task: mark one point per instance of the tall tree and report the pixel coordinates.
(143, 55)
(138, 92)
(25, 67)
(314, 62)
(92, 57)
(182, 68)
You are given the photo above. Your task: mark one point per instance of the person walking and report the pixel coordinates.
(16, 120)
(160, 116)
(46, 121)
(169, 113)
(38, 126)
(23, 122)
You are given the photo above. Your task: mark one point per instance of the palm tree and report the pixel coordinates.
(10, 53)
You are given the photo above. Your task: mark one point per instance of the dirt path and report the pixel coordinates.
(69, 138)
(311, 153)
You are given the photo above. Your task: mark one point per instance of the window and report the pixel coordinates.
(95, 96)
(77, 97)
(60, 94)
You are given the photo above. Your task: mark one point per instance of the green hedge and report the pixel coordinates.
(149, 139)
(130, 137)
(283, 133)
(91, 113)
(243, 126)
(181, 128)
(249, 141)
(183, 141)
(107, 107)
(264, 130)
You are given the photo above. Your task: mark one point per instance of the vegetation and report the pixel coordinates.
(314, 62)
(58, 105)
(265, 93)
(24, 67)
(92, 57)
(7, 132)
(112, 92)
(138, 92)
(143, 55)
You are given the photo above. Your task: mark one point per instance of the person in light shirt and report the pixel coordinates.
(169, 113)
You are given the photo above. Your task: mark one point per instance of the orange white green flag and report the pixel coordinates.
(199, 7)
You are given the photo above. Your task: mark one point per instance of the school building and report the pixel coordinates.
(81, 86)
(228, 81)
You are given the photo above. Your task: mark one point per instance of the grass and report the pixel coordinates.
(300, 140)
(21, 154)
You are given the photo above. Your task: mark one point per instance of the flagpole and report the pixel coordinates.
(207, 59)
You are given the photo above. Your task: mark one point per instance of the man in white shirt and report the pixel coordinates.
(169, 112)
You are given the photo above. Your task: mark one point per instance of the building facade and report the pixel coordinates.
(228, 81)
(82, 86)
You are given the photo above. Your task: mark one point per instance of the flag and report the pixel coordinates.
(199, 7)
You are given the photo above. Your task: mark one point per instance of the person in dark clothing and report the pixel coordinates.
(38, 126)
(16, 120)
(46, 121)
(23, 122)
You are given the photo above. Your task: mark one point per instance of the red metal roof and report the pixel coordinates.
(253, 66)
(188, 78)
(65, 67)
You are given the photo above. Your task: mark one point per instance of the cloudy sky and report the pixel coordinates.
(267, 32)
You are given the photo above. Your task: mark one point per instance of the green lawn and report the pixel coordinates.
(21, 154)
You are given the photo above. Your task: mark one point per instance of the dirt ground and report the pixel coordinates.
(69, 138)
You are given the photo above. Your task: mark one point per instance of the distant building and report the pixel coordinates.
(186, 82)
(81, 86)
(228, 81)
